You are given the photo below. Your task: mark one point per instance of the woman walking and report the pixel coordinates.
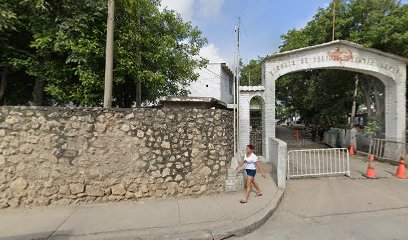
(251, 163)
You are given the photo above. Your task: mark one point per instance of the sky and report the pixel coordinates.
(262, 23)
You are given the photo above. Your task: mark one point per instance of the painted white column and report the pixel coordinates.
(244, 121)
(269, 112)
(269, 127)
(402, 108)
(395, 113)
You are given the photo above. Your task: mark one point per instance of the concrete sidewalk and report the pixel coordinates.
(212, 217)
(339, 208)
(359, 164)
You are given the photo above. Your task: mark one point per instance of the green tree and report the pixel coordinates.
(8, 18)
(14, 41)
(251, 73)
(373, 127)
(157, 49)
(63, 52)
(380, 24)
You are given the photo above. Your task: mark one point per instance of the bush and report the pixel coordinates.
(373, 127)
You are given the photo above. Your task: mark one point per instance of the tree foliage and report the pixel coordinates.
(62, 49)
(373, 127)
(380, 24)
(251, 73)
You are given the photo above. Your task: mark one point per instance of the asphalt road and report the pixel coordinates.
(340, 207)
(289, 136)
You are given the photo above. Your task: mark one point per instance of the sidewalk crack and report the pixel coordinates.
(179, 214)
(65, 220)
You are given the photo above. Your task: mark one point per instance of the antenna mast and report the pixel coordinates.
(237, 82)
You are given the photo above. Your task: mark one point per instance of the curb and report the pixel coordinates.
(222, 231)
(251, 223)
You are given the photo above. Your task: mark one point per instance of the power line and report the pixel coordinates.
(213, 80)
(229, 36)
(201, 94)
(216, 74)
(243, 27)
(208, 86)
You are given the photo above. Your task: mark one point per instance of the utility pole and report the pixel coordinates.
(139, 59)
(138, 94)
(237, 84)
(235, 115)
(3, 85)
(107, 98)
(249, 79)
(334, 21)
(235, 105)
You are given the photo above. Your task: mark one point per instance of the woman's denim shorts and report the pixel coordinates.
(251, 172)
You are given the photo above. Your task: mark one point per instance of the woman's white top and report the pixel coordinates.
(250, 161)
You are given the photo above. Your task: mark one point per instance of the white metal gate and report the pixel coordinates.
(318, 162)
(388, 150)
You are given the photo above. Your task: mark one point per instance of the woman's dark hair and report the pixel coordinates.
(250, 146)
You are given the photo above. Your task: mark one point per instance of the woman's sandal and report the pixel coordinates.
(259, 195)
(243, 201)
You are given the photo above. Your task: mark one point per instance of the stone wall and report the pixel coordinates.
(65, 156)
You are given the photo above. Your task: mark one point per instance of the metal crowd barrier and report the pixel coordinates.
(387, 149)
(318, 162)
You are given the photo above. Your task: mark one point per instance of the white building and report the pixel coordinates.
(216, 81)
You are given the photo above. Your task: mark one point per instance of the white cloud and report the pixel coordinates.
(210, 52)
(201, 11)
(184, 7)
(210, 8)
(193, 9)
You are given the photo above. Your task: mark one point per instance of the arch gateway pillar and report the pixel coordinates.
(390, 69)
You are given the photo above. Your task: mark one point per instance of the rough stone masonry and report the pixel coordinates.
(64, 156)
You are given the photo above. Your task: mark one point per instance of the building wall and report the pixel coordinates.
(212, 82)
(64, 156)
(227, 87)
(207, 84)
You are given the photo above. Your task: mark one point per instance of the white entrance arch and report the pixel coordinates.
(246, 94)
(388, 68)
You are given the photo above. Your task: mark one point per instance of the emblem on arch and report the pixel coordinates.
(341, 54)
